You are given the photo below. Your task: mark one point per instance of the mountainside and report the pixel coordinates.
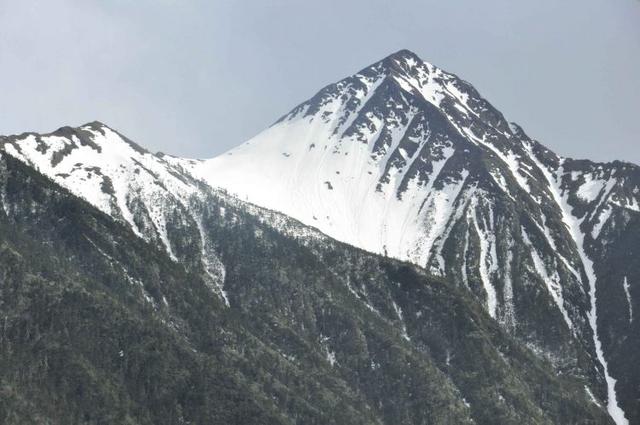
(409, 161)
(101, 326)
(406, 161)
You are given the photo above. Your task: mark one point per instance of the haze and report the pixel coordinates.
(195, 78)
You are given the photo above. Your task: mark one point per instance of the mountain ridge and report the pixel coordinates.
(106, 325)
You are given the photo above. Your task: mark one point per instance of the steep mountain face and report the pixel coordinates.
(150, 193)
(100, 326)
(409, 161)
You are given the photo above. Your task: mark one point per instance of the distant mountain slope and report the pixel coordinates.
(100, 326)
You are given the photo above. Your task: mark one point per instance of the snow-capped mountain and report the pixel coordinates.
(150, 193)
(406, 160)
(106, 169)
(101, 326)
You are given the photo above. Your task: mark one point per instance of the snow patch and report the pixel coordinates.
(625, 286)
(590, 189)
(398, 311)
(591, 396)
(603, 216)
(488, 261)
(573, 226)
(551, 281)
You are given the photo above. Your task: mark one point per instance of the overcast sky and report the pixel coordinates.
(197, 77)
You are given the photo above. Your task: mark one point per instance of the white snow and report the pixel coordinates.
(629, 203)
(465, 278)
(633, 205)
(438, 210)
(514, 165)
(488, 262)
(591, 396)
(509, 315)
(591, 188)
(335, 183)
(573, 226)
(431, 92)
(331, 358)
(336, 189)
(342, 186)
(501, 182)
(604, 196)
(133, 174)
(603, 217)
(363, 98)
(551, 241)
(457, 201)
(463, 98)
(625, 286)
(330, 354)
(398, 311)
(213, 267)
(551, 281)
(510, 159)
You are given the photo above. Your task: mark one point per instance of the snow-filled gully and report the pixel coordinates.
(573, 226)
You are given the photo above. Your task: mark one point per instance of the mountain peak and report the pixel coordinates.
(404, 63)
(404, 54)
(96, 125)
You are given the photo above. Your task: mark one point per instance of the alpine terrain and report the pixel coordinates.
(392, 250)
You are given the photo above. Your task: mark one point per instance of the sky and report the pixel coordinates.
(197, 77)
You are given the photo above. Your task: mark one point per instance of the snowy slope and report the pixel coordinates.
(407, 160)
(104, 168)
(358, 160)
(150, 193)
